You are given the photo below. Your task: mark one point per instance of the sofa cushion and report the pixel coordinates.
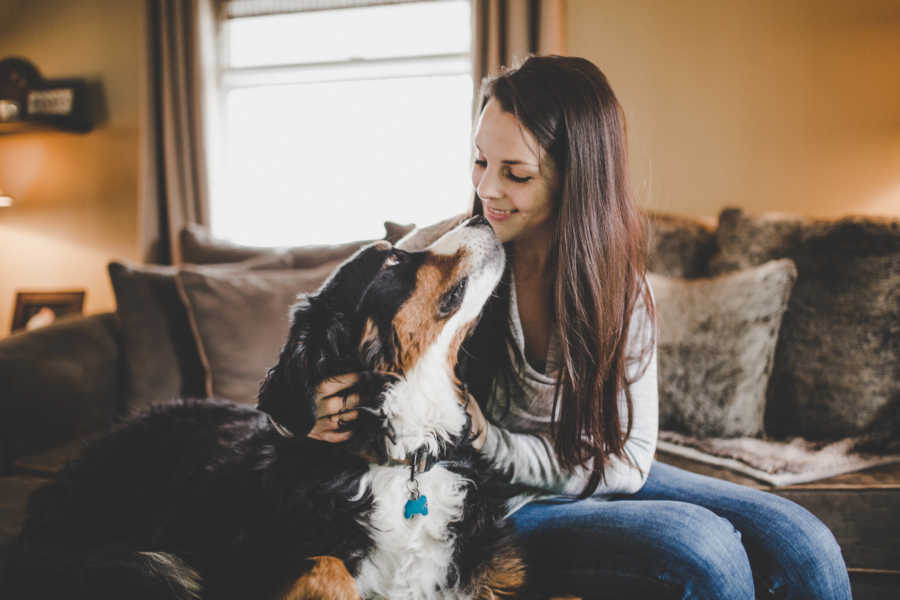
(240, 321)
(680, 246)
(716, 341)
(837, 364)
(59, 382)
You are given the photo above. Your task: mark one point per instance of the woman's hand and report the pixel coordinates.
(335, 408)
(479, 423)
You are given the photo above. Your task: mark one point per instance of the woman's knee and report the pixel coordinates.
(807, 557)
(708, 559)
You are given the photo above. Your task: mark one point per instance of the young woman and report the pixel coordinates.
(563, 368)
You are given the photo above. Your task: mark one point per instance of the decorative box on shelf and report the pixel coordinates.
(28, 101)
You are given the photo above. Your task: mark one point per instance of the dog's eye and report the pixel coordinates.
(394, 258)
(451, 301)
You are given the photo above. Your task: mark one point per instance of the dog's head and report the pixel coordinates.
(388, 311)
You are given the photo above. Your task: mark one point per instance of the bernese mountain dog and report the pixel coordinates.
(214, 500)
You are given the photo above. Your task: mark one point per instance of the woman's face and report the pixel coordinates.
(514, 185)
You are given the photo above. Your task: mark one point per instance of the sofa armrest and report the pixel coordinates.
(58, 383)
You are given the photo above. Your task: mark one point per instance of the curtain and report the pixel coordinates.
(504, 31)
(181, 71)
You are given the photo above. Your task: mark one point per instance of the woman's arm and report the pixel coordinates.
(530, 459)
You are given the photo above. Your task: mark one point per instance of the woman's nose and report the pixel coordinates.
(489, 185)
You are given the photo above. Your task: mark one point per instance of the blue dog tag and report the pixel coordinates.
(416, 506)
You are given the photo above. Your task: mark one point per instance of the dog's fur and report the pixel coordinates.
(215, 500)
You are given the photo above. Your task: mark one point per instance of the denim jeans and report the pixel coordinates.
(682, 535)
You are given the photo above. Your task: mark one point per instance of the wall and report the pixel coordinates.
(76, 195)
(783, 105)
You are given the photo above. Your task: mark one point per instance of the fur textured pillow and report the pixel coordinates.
(680, 246)
(717, 338)
(837, 364)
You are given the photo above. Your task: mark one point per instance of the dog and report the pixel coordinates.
(206, 499)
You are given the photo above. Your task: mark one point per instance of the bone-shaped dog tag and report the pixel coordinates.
(416, 506)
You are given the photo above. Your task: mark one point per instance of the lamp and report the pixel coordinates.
(5, 199)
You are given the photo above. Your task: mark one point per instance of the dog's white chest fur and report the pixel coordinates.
(411, 557)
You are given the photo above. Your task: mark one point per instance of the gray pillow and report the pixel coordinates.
(161, 361)
(680, 246)
(240, 321)
(837, 364)
(716, 342)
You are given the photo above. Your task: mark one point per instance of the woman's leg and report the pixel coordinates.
(632, 549)
(792, 553)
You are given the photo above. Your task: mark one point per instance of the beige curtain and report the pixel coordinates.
(181, 73)
(504, 31)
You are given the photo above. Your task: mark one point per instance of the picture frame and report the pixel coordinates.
(36, 309)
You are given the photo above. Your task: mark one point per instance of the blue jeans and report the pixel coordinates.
(682, 535)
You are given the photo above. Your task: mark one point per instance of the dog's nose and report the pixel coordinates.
(477, 220)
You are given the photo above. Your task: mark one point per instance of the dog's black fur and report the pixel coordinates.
(211, 500)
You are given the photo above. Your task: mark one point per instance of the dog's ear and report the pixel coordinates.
(320, 343)
(287, 392)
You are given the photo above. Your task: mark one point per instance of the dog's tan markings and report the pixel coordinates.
(328, 580)
(502, 577)
(369, 339)
(416, 323)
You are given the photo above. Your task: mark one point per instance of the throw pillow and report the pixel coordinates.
(680, 246)
(419, 239)
(161, 359)
(837, 364)
(717, 337)
(241, 320)
(199, 247)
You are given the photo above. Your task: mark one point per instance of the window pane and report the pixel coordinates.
(337, 35)
(326, 162)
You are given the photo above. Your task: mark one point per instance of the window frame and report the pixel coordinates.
(229, 78)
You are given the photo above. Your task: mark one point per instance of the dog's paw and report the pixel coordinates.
(327, 580)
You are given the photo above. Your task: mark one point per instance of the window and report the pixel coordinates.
(334, 120)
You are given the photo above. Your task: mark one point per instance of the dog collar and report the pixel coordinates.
(419, 461)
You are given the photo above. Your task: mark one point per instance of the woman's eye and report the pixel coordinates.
(518, 179)
(481, 163)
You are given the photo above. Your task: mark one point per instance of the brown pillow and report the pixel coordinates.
(680, 246)
(199, 247)
(837, 364)
(395, 231)
(419, 239)
(716, 341)
(240, 321)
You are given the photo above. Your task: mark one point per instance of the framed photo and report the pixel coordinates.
(36, 309)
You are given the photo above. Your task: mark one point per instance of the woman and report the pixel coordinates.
(563, 364)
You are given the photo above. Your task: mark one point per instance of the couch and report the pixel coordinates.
(774, 330)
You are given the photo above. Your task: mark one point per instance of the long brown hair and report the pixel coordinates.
(598, 254)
